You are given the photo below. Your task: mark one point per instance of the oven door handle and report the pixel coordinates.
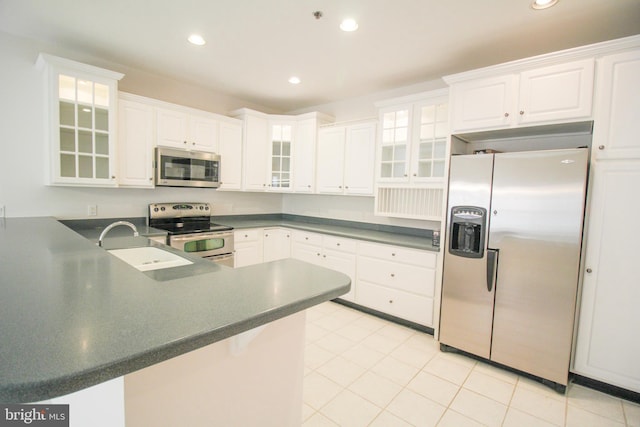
(200, 236)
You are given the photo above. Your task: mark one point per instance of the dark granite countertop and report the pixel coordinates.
(416, 238)
(73, 315)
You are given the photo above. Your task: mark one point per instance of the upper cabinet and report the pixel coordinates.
(345, 159)
(413, 141)
(81, 118)
(177, 128)
(281, 137)
(412, 156)
(230, 150)
(304, 151)
(617, 128)
(279, 150)
(550, 94)
(135, 143)
(145, 123)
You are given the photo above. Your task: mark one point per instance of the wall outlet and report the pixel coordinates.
(2, 211)
(92, 210)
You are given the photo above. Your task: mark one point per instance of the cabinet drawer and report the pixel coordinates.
(340, 244)
(395, 302)
(398, 254)
(249, 235)
(307, 238)
(410, 278)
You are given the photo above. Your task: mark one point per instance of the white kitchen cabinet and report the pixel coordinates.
(335, 253)
(304, 151)
(230, 150)
(397, 281)
(345, 159)
(607, 345)
(81, 114)
(135, 144)
(412, 146)
(276, 244)
(247, 245)
(279, 169)
(616, 132)
(555, 93)
(412, 155)
(255, 149)
(181, 129)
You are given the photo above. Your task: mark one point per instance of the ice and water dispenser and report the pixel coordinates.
(467, 231)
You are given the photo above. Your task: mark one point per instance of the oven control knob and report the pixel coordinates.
(206, 208)
(155, 209)
(162, 208)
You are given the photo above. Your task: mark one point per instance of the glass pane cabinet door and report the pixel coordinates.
(432, 142)
(80, 114)
(281, 136)
(395, 139)
(84, 149)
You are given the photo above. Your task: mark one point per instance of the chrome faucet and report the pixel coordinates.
(115, 224)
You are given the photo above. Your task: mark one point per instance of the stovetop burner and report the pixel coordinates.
(183, 218)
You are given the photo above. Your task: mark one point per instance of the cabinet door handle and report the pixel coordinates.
(184, 142)
(506, 114)
(393, 254)
(589, 270)
(522, 112)
(393, 275)
(390, 301)
(600, 147)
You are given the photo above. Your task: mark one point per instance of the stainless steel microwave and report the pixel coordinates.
(184, 168)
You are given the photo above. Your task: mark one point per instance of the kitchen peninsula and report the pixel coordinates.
(74, 316)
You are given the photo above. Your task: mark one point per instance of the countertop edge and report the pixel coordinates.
(56, 387)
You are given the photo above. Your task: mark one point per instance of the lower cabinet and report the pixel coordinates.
(391, 279)
(247, 246)
(276, 244)
(396, 280)
(336, 253)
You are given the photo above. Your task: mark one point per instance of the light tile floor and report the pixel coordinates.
(364, 371)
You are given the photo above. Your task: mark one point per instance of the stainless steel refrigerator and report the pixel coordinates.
(511, 265)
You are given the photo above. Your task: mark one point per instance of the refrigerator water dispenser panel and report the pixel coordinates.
(467, 231)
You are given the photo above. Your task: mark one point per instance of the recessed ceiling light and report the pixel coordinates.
(543, 4)
(196, 39)
(349, 25)
(294, 80)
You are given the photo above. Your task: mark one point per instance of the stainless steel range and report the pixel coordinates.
(190, 229)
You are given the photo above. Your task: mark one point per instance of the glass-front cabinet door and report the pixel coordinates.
(413, 142)
(394, 154)
(82, 101)
(281, 144)
(430, 148)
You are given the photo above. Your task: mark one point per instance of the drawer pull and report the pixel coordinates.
(390, 301)
(393, 275)
(306, 238)
(337, 244)
(393, 254)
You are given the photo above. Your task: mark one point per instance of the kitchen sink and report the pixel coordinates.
(149, 258)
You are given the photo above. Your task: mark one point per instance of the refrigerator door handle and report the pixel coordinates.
(492, 264)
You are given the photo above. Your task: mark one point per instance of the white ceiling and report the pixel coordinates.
(254, 46)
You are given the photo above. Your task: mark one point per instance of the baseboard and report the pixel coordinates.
(613, 390)
(385, 316)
